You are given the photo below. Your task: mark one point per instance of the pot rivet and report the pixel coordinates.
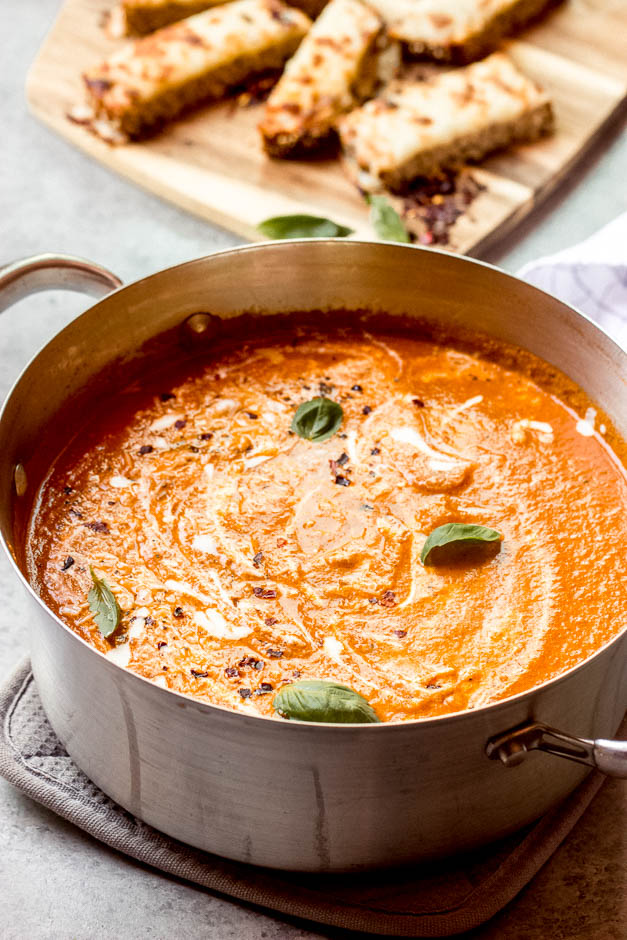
(20, 479)
(198, 323)
(512, 753)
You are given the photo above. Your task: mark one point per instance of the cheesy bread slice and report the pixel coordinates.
(458, 31)
(157, 77)
(416, 129)
(335, 68)
(145, 16)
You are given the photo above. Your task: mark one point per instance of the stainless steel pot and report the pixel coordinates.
(286, 794)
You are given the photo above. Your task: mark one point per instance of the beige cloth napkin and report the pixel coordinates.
(435, 900)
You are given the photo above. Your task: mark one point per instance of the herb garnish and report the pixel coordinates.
(317, 420)
(386, 221)
(103, 605)
(315, 700)
(302, 226)
(456, 540)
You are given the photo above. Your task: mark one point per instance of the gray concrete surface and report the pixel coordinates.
(55, 882)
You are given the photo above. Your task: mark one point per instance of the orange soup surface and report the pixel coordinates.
(244, 557)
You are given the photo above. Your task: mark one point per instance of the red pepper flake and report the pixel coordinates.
(264, 688)
(69, 561)
(161, 644)
(388, 599)
(418, 402)
(342, 481)
(266, 594)
(76, 513)
(194, 449)
(375, 451)
(373, 600)
(180, 424)
(257, 559)
(274, 654)
(205, 436)
(342, 460)
(356, 388)
(145, 449)
(96, 526)
(231, 672)
(167, 396)
(366, 410)
(281, 543)
(67, 490)
(245, 693)
(400, 633)
(149, 622)
(179, 612)
(433, 206)
(251, 415)
(433, 685)
(270, 621)
(198, 674)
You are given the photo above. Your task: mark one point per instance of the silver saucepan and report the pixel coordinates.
(287, 794)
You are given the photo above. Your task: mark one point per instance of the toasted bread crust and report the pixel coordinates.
(471, 148)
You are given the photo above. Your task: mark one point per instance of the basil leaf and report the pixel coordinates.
(315, 700)
(103, 605)
(317, 420)
(456, 540)
(386, 221)
(302, 226)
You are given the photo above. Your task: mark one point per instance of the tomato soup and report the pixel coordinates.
(259, 518)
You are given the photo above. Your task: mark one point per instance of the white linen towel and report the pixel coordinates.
(591, 276)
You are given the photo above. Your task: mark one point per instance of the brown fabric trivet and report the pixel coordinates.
(433, 900)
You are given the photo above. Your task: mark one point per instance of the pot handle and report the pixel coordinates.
(511, 748)
(49, 272)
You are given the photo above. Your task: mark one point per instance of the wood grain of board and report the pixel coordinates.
(211, 162)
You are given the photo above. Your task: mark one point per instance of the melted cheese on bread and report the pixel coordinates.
(334, 69)
(157, 77)
(418, 128)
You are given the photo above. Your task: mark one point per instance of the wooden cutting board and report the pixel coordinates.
(211, 162)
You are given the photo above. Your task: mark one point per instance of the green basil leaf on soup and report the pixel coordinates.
(317, 420)
(316, 700)
(103, 605)
(302, 226)
(457, 541)
(386, 221)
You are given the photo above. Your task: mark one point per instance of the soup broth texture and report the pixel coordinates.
(244, 557)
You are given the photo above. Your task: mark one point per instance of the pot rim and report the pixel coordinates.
(223, 710)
